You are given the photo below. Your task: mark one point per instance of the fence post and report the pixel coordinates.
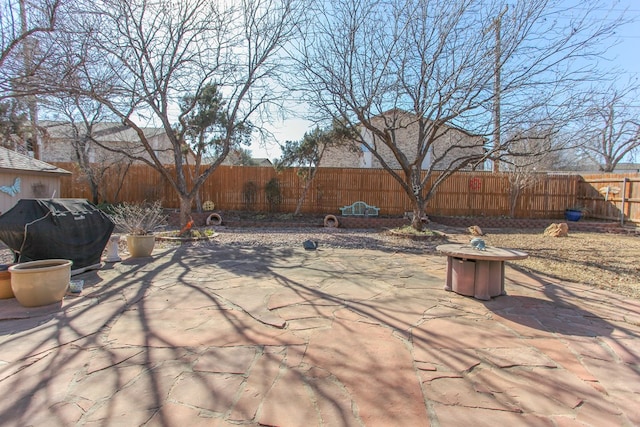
(624, 195)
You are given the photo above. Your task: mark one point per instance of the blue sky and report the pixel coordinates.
(624, 56)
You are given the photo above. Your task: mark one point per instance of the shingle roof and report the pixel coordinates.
(15, 161)
(103, 132)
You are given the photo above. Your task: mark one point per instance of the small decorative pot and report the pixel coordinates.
(140, 246)
(42, 282)
(572, 214)
(75, 286)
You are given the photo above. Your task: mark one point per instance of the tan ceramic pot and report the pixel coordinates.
(140, 246)
(42, 282)
(5, 285)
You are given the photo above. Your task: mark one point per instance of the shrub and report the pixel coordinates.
(138, 219)
(273, 193)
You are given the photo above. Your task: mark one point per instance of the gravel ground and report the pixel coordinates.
(608, 261)
(325, 237)
(294, 237)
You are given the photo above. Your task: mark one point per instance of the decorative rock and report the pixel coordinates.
(310, 245)
(475, 230)
(557, 230)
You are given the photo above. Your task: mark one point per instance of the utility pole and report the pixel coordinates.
(32, 103)
(497, 24)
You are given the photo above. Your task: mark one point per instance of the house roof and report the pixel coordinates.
(108, 133)
(102, 131)
(400, 112)
(11, 160)
(260, 161)
(627, 167)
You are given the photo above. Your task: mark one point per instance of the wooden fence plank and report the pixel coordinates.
(462, 194)
(611, 196)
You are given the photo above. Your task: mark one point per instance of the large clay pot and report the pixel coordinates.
(5, 282)
(42, 282)
(140, 246)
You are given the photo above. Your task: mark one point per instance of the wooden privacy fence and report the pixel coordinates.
(463, 194)
(614, 197)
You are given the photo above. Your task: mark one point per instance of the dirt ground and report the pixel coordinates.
(608, 261)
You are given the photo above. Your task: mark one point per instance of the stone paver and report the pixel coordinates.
(334, 337)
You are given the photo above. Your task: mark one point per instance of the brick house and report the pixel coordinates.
(405, 127)
(57, 143)
(238, 157)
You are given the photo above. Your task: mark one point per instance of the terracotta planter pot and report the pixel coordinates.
(5, 282)
(43, 282)
(140, 246)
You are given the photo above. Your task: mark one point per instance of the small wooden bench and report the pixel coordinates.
(359, 209)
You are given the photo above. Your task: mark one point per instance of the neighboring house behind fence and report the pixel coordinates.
(238, 158)
(59, 146)
(59, 143)
(405, 127)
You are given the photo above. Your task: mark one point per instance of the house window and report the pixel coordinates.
(366, 159)
(426, 162)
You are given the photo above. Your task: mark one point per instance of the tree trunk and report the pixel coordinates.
(415, 182)
(198, 202)
(514, 195)
(418, 214)
(95, 191)
(121, 176)
(303, 196)
(185, 210)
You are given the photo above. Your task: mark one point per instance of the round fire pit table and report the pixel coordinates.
(477, 273)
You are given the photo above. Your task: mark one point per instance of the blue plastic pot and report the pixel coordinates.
(572, 214)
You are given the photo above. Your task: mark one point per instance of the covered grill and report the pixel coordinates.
(73, 229)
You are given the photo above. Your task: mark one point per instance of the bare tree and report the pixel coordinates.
(307, 154)
(529, 156)
(13, 123)
(428, 67)
(241, 157)
(84, 123)
(144, 57)
(22, 24)
(612, 128)
(25, 28)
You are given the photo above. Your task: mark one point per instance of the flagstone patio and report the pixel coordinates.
(250, 336)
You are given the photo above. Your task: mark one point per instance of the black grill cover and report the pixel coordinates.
(72, 229)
